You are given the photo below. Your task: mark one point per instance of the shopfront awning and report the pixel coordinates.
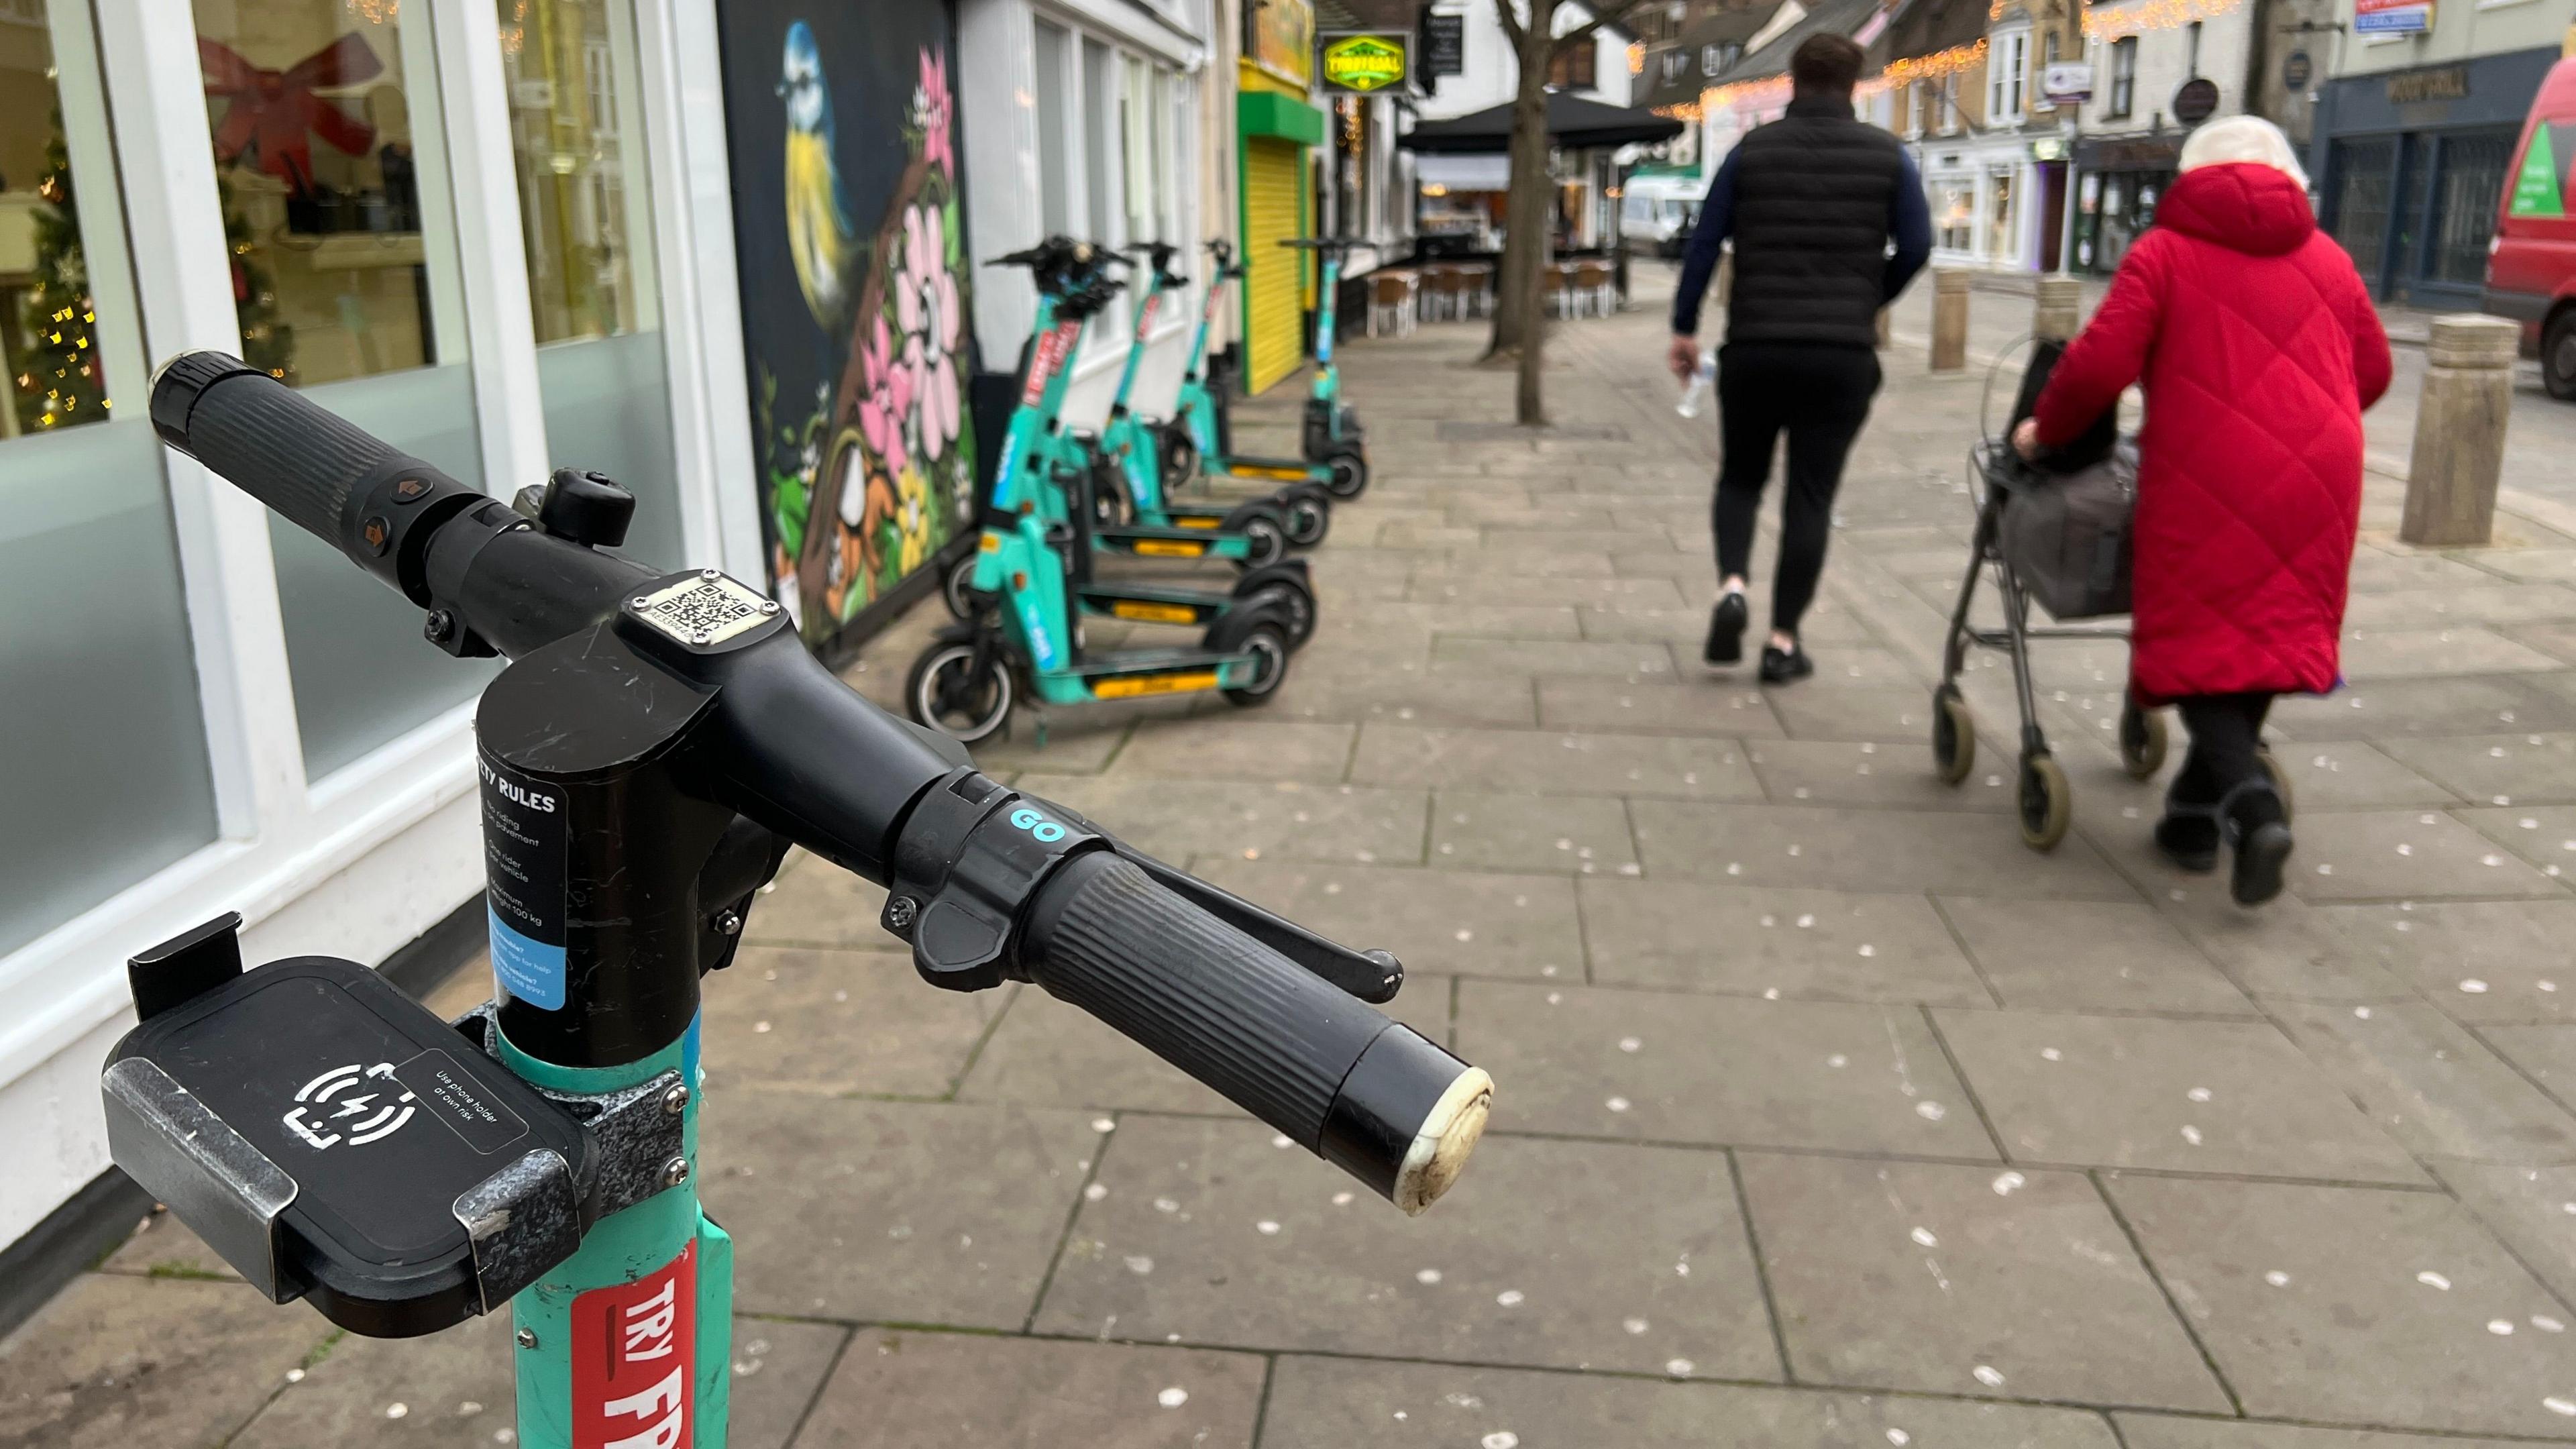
(1464, 173)
(1572, 122)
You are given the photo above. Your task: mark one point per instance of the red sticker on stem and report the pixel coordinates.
(1050, 355)
(634, 1360)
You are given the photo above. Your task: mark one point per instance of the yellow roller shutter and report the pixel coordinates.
(1271, 186)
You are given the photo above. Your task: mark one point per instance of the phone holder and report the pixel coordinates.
(336, 1141)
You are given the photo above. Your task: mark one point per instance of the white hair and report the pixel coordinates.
(2242, 139)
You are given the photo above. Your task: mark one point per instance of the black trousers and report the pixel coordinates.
(2226, 731)
(1819, 395)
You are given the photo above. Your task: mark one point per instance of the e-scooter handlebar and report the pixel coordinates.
(802, 754)
(1367, 1094)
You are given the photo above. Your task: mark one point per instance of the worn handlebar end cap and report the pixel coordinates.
(179, 382)
(1406, 1118)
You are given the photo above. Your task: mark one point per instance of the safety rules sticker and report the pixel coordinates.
(634, 1360)
(523, 866)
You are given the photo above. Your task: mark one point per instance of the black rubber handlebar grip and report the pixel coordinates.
(272, 443)
(1370, 1095)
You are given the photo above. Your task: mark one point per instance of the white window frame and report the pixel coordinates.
(2007, 76)
(361, 861)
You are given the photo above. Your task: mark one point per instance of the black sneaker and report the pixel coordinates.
(2188, 836)
(1726, 631)
(1785, 666)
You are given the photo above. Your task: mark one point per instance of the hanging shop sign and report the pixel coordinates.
(2441, 83)
(2067, 82)
(1444, 46)
(1279, 38)
(2392, 17)
(849, 226)
(1364, 63)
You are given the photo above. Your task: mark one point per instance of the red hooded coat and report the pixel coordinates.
(2258, 349)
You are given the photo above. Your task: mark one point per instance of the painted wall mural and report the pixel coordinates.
(857, 340)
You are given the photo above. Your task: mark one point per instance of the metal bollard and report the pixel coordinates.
(1949, 319)
(2057, 309)
(2459, 431)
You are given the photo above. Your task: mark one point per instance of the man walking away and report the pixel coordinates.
(1812, 201)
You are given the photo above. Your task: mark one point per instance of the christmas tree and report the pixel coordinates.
(59, 381)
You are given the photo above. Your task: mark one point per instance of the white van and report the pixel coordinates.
(1656, 213)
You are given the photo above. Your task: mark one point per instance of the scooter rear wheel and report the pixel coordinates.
(1309, 518)
(1292, 605)
(1350, 475)
(1269, 647)
(1265, 541)
(949, 692)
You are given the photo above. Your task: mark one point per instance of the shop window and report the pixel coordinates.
(2003, 242)
(1055, 208)
(1097, 89)
(106, 778)
(2124, 77)
(1954, 214)
(329, 166)
(1948, 104)
(1140, 150)
(2007, 72)
(586, 219)
(1109, 124)
(1573, 69)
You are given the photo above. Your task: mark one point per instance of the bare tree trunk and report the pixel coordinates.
(1525, 207)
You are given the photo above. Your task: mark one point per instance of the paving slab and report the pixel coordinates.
(1247, 749)
(2387, 709)
(2090, 954)
(2157, 1431)
(2184, 1096)
(1889, 776)
(1553, 763)
(2472, 604)
(2404, 854)
(2524, 768)
(1176, 819)
(2527, 1210)
(915, 1212)
(905, 1389)
(836, 1022)
(1886, 714)
(816, 903)
(1528, 590)
(1457, 654)
(1665, 1067)
(1327, 1403)
(2355, 1306)
(1446, 921)
(1762, 940)
(2287, 949)
(1540, 1256)
(1474, 830)
(1408, 696)
(164, 1247)
(2349, 775)
(2432, 1085)
(2481, 961)
(1965, 1280)
(1707, 704)
(1840, 848)
(121, 1362)
(2544, 835)
(2460, 649)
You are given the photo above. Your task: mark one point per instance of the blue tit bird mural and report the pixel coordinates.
(819, 232)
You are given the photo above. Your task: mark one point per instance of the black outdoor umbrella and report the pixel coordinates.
(1572, 122)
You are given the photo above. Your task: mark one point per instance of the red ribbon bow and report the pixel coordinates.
(275, 112)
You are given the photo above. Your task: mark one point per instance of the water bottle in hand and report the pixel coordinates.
(1695, 393)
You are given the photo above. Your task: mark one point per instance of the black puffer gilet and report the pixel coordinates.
(1814, 192)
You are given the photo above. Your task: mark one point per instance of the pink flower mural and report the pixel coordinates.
(885, 396)
(934, 111)
(926, 304)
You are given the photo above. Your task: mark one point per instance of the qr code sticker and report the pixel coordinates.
(706, 612)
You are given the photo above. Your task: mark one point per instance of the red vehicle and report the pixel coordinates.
(2531, 264)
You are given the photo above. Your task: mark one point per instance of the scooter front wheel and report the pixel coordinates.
(1309, 518)
(1291, 604)
(959, 691)
(957, 589)
(1350, 475)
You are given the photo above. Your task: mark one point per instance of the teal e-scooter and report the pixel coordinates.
(1132, 445)
(1025, 596)
(1199, 438)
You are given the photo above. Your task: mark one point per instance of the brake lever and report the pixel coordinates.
(1374, 976)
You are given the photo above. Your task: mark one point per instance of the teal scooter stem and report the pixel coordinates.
(1199, 437)
(1133, 444)
(1024, 595)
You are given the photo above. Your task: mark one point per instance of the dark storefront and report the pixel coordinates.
(2410, 165)
(2119, 179)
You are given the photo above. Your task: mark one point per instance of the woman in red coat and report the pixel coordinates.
(2257, 348)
